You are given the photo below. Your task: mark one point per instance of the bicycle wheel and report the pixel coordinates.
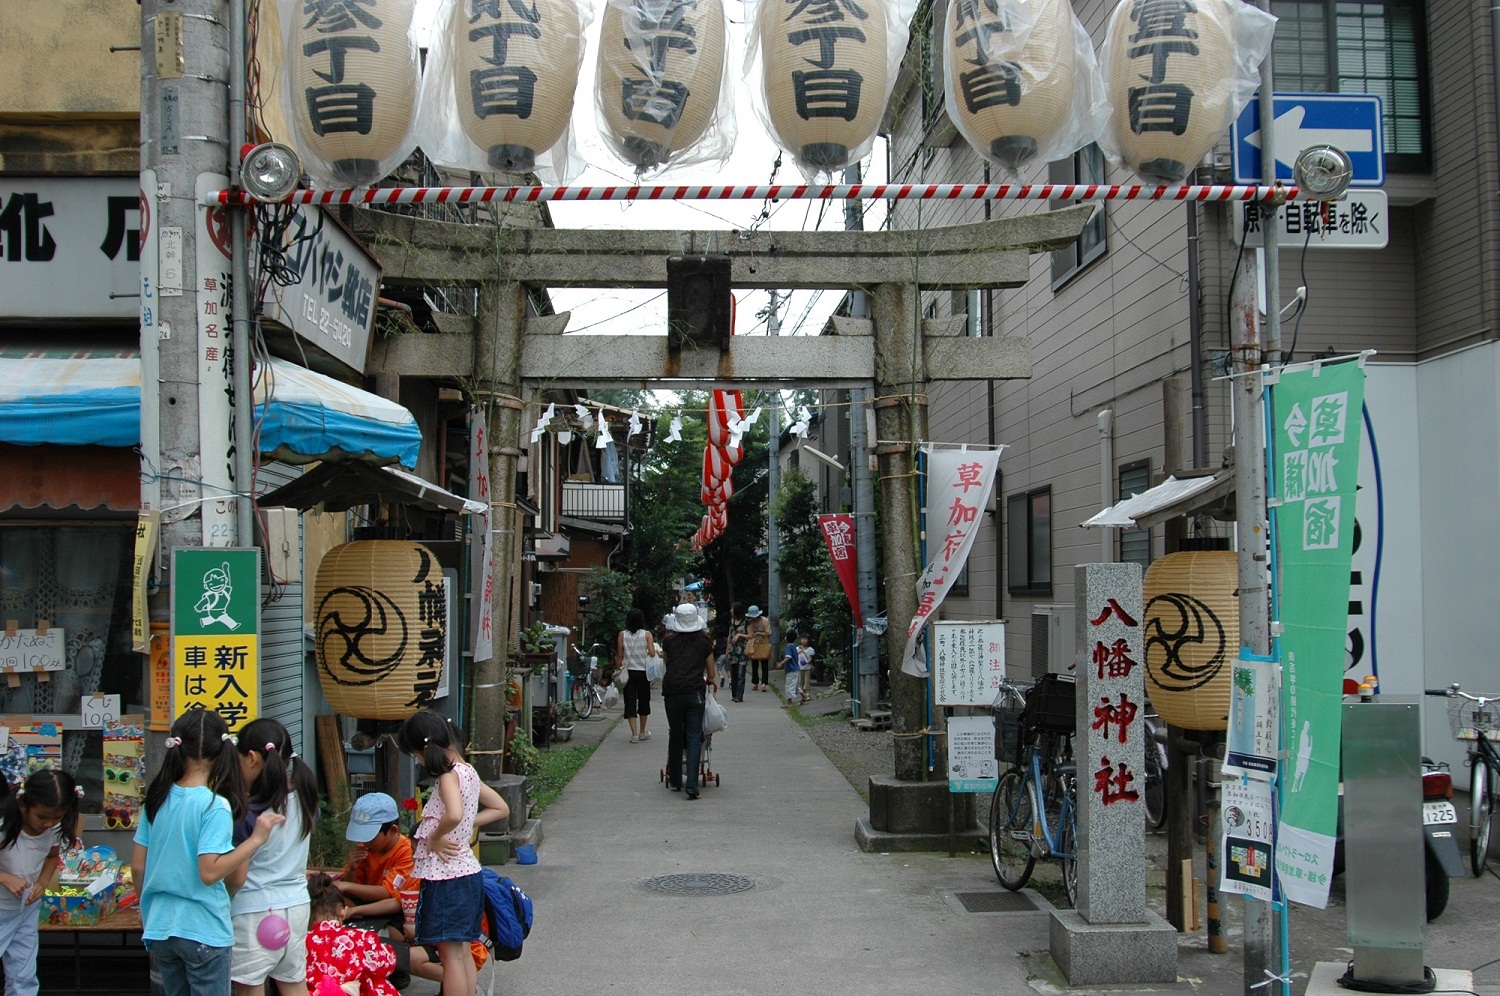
(1481, 807)
(1010, 832)
(1068, 859)
(1155, 795)
(583, 698)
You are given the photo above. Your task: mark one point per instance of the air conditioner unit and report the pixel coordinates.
(1052, 639)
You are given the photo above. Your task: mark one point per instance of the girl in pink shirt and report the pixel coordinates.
(451, 896)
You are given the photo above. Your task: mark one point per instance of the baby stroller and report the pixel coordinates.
(706, 774)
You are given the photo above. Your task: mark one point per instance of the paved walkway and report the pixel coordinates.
(816, 916)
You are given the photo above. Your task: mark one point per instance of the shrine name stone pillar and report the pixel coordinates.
(498, 326)
(1111, 937)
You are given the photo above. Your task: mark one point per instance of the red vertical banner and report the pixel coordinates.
(838, 533)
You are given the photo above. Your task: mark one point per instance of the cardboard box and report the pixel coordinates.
(74, 906)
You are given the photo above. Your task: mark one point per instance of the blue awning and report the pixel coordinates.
(95, 399)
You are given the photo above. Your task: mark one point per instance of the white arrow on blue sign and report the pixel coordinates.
(1351, 121)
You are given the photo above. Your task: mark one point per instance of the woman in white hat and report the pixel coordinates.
(759, 648)
(689, 654)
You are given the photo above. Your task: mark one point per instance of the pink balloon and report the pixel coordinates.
(273, 932)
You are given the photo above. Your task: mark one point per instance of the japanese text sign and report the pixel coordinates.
(972, 766)
(1314, 460)
(216, 632)
(958, 491)
(482, 549)
(1247, 835)
(968, 662)
(1110, 743)
(1254, 719)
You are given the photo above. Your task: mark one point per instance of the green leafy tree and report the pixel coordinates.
(610, 594)
(665, 508)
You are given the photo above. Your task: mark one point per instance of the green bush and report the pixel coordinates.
(328, 847)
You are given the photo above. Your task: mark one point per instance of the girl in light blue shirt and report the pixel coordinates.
(183, 854)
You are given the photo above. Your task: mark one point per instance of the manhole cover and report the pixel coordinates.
(700, 884)
(996, 902)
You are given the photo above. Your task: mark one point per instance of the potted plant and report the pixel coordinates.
(535, 646)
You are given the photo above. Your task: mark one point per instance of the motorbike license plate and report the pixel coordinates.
(1438, 812)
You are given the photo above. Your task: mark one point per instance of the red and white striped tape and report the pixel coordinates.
(778, 191)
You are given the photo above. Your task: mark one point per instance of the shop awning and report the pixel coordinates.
(1169, 499)
(95, 399)
(335, 487)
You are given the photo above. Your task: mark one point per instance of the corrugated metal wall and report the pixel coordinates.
(281, 644)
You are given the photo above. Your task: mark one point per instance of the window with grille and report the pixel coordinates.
(1135, 544)
(1361, 46)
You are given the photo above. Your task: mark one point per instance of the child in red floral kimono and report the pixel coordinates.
(355, 960)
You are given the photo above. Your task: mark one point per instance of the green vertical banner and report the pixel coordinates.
(1314, 460)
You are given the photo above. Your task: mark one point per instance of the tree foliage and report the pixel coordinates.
(814, 602)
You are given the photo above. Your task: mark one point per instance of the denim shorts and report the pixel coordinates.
(449, 909)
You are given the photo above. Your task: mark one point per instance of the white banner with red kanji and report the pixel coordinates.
(482, 549)
(959, 482)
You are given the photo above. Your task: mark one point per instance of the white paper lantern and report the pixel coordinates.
(1010, 74)
(515, 69)
(824, 76)
(661, 67)
(1170, 74)
(352, 75)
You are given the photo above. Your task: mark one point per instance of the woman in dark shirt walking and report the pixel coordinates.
(689, 654)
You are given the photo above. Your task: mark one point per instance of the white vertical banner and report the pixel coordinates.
(482, 546)
(959, 483)
(215, 380)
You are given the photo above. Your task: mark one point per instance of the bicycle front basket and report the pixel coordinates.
(1465, 718)
(1008, 734)
(1049, 707)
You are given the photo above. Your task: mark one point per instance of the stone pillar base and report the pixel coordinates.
(1326, 974)
(900, 807)
(1127, 953)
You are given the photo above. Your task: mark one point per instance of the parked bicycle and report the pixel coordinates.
(1033, 815)
(585, 693)
(1473, 720)
(1155, 794)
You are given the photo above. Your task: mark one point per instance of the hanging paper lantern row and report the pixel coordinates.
(1023, 84)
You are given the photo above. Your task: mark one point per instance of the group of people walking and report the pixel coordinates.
(693, 663)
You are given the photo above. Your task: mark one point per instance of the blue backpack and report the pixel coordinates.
(508, 915)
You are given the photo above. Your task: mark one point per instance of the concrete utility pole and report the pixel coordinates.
(773, 485)
(865, 673)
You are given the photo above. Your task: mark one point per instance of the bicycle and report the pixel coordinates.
(1033, 815)
(584, 694)
(1474, 720)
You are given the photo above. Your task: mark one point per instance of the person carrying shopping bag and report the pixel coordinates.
(759, 648)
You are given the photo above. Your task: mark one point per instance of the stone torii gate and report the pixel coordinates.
(507, 347)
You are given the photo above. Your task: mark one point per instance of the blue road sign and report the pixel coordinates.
(1351, 121)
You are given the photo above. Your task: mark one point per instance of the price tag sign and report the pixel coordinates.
(100, 709)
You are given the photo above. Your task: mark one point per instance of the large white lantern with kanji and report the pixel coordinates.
(825, 78)
(350, 96)
(661, 71)
(514, 73)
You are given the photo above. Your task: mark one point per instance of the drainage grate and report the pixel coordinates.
(699, 884)
(996, 902)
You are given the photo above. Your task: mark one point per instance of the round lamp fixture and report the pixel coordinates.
(270, 171)
(1323, 172)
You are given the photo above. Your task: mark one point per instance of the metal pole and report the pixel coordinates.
(864, 679)
(244, 404)
(1250, 478)
(773, 485)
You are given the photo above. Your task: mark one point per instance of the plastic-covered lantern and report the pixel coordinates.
(514, 72)
(1177, 74)
(382, 620)
(660, 81)
(351, 95)
(1191, 634)
(827, 70)
(1021, 78)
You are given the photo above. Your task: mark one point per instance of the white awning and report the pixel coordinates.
(1170, 498)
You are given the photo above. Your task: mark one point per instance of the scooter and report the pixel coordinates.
(1439, 825)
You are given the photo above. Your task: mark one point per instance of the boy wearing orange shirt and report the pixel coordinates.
(379, 866)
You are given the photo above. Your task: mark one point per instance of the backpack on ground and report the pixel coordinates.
(508, 915)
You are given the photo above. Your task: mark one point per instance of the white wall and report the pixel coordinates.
(1458, 435)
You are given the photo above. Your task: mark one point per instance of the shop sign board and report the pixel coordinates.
(331, 304)
(70, 247)
(216, 632)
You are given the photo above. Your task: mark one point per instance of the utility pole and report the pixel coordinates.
(1250, 473)
(864, 679)
(773, 485)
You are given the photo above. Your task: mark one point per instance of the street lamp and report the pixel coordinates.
(1323, 172)
(270, 171)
